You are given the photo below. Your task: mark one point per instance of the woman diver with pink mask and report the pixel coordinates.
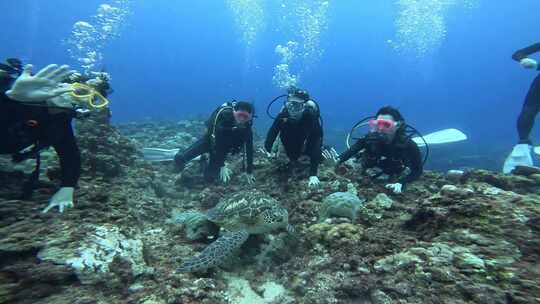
(387, 146)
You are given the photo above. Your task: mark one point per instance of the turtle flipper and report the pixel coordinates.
(215, 253)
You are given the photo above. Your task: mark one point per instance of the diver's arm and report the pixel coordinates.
(68, 152)
(315, 143)
(524, 53)
(5, 85)
(414, 162)
(273, 132)
(249, 152)
(353, 150)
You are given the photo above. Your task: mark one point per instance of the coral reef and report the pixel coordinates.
(462, 237)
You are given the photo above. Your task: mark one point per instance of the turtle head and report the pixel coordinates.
(276, 217)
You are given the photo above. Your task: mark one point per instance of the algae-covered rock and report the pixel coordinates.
(374, 209)
(334, 235)
(92, 257)
(341, 204)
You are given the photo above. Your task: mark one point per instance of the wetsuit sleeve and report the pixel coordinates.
(353, 150)
(249, 152)
(66, 147)
(273, 132)
(413, 160)
(314, 142)
(5, 85)
(523, 53)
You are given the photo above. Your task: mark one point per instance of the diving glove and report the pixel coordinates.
(529, 63)
(396, 188)
(46, 84)
(314, 182)
(63, 199)
(331, 155)
(225, 174)
(249, 178)
(520, 156)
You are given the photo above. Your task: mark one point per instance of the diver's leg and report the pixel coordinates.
(198, 148)
(293, 153)
(217, 160)
(528, 114)
(521, 153)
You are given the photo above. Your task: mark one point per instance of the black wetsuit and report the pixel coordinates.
(392, 158)
(24, 125)
(302, 137)
(531, 106)
(223, 136)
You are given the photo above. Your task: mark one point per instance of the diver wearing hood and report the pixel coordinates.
(299, 128)
(28, 125)
(229, 130)
(388, 148)
(521, 154)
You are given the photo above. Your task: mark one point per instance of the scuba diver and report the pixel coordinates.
(229, 130)
(521, 153)
(387, 147)
(300, 130)
(36, 113)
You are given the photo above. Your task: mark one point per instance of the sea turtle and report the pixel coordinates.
(240, 215)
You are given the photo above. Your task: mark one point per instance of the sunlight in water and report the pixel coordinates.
(88, 38)
(249, 18)
(304, 22)
(421, 24)
(282, 76)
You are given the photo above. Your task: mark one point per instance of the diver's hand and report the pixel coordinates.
(314, 182)
(42, 86)
(331, 155)
(63, 199)
(268, 154)
(249, 178)
(397, 187)
(529, 63)
(225, 174)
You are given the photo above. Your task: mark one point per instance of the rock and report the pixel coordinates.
(456, 192)
(334, 236)
(374, 209)
(379, 297)
(469, 261)
(455, 175)
(91, 258)
(394, 262)
(382, 201)
(240, 291)
(340, 204)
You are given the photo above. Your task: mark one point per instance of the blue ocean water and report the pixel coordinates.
(177, 59)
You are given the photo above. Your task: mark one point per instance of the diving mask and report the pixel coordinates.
(93, 98)
(385, 126)
(295, 108)
(242, 117)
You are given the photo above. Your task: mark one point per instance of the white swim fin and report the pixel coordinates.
(520, 156)
(159, 155)
(441, 137)
(537, 150)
